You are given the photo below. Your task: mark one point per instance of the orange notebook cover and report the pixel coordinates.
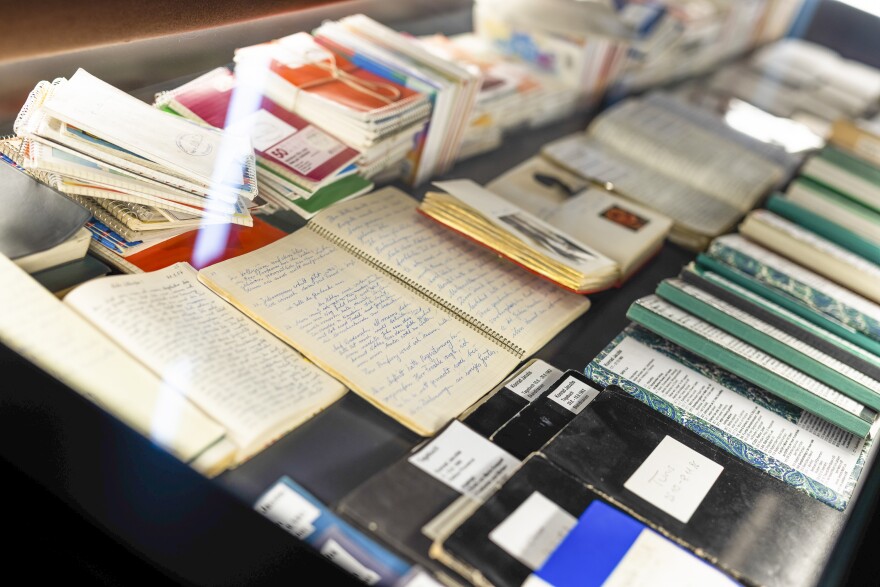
(208, 245)
(317, 80)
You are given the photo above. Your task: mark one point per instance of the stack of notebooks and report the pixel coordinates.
(583, 45)
(146, 176)
(678, 161)
(513, 94)
(379, 117)
(450, 87)
(682, 38)
(377, 90)
(299, 166)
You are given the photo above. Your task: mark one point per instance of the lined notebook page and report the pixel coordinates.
(236, 371)
(38, 326)
(400, 351)
(520, 307)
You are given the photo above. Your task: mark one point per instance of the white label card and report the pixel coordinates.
(465, 461)
(574, 395)
(675, 478)
(533, 531)
(534, 380)
(288, 509)
(333, 551)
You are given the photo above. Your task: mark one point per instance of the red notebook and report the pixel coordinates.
(208, 245)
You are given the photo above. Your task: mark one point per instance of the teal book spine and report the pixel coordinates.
(803, 300)
(825, 228)
(758, 334)
(858, 424)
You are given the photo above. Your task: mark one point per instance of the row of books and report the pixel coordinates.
(751, 378)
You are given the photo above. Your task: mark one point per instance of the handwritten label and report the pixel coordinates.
(574, 395)
(333, 551)
(532, 382)
(674, 478)
(465, 461)
(289, 509)
(533, 531)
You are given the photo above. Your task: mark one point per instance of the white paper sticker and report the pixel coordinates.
(465, 461)
(533, 531)
(264, 128)
(654, 560)
(574, 395)
(289, 509)
(675, 478)
(534, 380)
(306, 150)
(333, 551)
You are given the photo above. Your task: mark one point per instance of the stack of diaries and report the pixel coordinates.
(594, 241)
(379, 116)
(795, 288)
(750, 362)
(536, 529)
(849, 176)
(858, 136)
(757, 528)
(784, 441)
(830, 216)
(451, 88)
(672, 162)
(512, 94)
(807, 248)
(154, 174)
(300, 167)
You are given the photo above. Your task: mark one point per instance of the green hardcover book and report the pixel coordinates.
(835, 207)
(839, 348)
(825, 228)
(773, 341)
(846, 174)
(752, 364)
(796, 289)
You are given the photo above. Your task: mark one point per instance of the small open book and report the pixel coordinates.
(589, 242)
